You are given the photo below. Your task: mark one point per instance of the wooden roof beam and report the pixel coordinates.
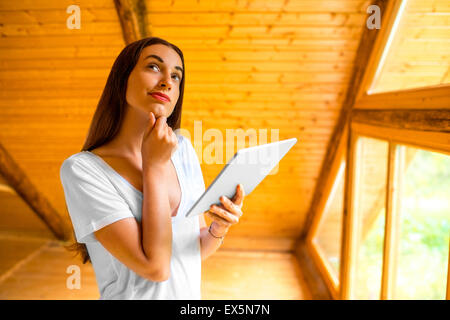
(363, 55)
(369, 55)
(19, 181)
(133, 19)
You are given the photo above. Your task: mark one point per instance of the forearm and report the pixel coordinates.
(156, 220)
(208, 243)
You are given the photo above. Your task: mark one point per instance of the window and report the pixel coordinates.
(329, 231)
(424, 225)
(370, 200)
(396, 214)
(324, 238)
(418, 55)
(398, 231)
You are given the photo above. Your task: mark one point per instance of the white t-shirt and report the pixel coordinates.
(97, 195)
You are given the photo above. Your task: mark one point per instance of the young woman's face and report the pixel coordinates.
(158, 70)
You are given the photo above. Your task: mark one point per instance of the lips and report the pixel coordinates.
(160, 96)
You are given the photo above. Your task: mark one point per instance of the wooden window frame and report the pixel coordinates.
(313, 248)
(418, 117)
(421, 133)
(432, 97)
(434, 141)
(391, 12)
(394, 13)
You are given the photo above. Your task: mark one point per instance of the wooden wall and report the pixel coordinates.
(250, 65)
(263, 64)
(266, 65)
(51, 78)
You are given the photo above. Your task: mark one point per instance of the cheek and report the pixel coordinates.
(131, 85)
(142, 81)
(138, 85)
(177, 96)
(131, 95)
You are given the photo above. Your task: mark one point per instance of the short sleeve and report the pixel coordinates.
(195, 168)
(92, 200)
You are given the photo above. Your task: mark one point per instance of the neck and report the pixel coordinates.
(128, 141)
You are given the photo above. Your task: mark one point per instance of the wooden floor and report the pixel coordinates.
(36, 268)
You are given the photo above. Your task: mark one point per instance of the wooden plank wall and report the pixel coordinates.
(262, 65)
(51, 78)
(250, 65)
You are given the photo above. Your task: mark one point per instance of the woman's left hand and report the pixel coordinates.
(228, 213)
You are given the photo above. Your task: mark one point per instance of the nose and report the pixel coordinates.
(166, 82)
(165, 86)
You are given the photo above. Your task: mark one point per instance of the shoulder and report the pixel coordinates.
(181, 139)
(193, 171)
(190, 159)
(72, 161)
(78, 164)
(186, 148)
(185, 142)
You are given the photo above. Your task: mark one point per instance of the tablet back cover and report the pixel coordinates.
(249, 166)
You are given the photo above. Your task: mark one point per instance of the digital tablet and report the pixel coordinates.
(249, 166)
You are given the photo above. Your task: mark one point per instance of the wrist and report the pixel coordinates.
(217, 230)
(153, 170)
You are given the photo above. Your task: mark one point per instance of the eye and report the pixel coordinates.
(176, 75)
(154, 65)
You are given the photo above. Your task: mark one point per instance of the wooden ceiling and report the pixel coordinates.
(266, 65)
(263, 64)
(51, 78)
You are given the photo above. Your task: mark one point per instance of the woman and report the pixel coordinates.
(129, 188)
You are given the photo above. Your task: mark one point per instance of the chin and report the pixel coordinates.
(158, 111)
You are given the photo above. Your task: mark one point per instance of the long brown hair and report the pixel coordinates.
(108, 116)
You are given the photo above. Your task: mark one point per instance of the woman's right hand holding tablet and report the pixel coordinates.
(158, 143)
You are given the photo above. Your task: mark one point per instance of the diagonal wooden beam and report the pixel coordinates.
(363, 55)
(133, 19)
(19, 181)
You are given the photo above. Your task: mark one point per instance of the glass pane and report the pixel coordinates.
(419, 54)
(370, 216)
(329, 232)
(424, 225)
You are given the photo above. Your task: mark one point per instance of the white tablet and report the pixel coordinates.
(249, 166)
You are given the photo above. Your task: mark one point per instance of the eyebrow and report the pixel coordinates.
(161, 60)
